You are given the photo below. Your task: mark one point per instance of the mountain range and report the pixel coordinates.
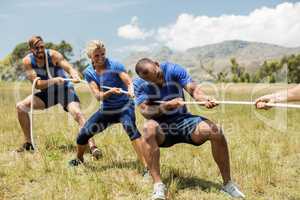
(216, 57)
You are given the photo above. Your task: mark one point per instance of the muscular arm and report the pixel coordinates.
(31, 75)
(59, 60)
(195, 91)
(150, 111)
(292, 94)
(128, 82)
(99, 95)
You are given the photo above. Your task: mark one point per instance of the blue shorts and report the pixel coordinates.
(58, 95)
(100, 120)
(180, 129)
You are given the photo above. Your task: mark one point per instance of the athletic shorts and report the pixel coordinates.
(180, 129)
(58, 95)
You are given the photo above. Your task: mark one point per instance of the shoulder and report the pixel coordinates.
(27, 60)
(139, 83)
(88, 70)
(55, 55)
(115, 64)
(168, 66)
(138, 80)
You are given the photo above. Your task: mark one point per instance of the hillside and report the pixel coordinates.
(217, 56)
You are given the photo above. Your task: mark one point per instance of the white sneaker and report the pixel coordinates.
(231, 189)
(159, 190)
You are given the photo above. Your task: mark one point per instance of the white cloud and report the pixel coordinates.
(132, 31)
(279, 25)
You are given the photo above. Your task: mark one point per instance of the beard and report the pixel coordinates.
(40, 55)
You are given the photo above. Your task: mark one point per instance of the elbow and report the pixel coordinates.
(99, 97)
(146, 115)
(38, 86)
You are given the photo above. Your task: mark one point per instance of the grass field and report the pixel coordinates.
(265, 159)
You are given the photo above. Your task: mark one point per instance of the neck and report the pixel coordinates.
(161, 80)
(99, 68)
(40, 61)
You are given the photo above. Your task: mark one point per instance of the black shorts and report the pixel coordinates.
(180, 130)
(58, 95)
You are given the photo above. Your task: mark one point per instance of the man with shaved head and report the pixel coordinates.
(54, 89)
(159, 92)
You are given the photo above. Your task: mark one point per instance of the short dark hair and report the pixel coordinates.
(34, 40)
(140, 65)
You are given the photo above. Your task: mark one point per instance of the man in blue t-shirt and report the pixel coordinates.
(107, 79)
(160, 97)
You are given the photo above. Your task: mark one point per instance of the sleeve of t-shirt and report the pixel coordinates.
(181, 75)
(139, 93)
(88, 76)
(118, 67)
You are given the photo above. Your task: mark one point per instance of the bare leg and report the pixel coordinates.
(75, 111)
(138, 147)
(23, 108)
(153, 137)
(80, 151)
(207, 130)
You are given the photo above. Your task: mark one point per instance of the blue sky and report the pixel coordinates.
(143, 24)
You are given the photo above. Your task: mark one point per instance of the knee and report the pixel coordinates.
(150, 130)
(83, 136)
(77, 115)
(21, 107)
(131, 130)
(216, 133)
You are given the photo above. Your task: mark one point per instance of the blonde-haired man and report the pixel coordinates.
(54, 88)
(117, 107)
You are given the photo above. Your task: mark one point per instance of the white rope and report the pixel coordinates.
(47, 64)
(103, 86)
(31, 111)
(280, 105)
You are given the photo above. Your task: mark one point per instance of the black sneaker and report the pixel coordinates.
(75, 162)
(25, 147)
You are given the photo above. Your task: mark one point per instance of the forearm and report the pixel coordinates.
(152, 111)
(100, 96)
(198, 94)
(73, 73)
(43, 84)
(293, 94)
(127, 81)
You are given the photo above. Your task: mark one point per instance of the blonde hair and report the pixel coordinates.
(92, 46)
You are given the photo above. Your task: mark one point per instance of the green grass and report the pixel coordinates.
(265, 162)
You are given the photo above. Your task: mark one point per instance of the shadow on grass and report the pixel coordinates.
(67, 148)
(134, 165)
(184, 181)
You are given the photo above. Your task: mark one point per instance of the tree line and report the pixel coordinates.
(286, 69)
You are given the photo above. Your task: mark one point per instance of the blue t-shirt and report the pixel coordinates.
(56, 71)
(175, 78)
(110, 77)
